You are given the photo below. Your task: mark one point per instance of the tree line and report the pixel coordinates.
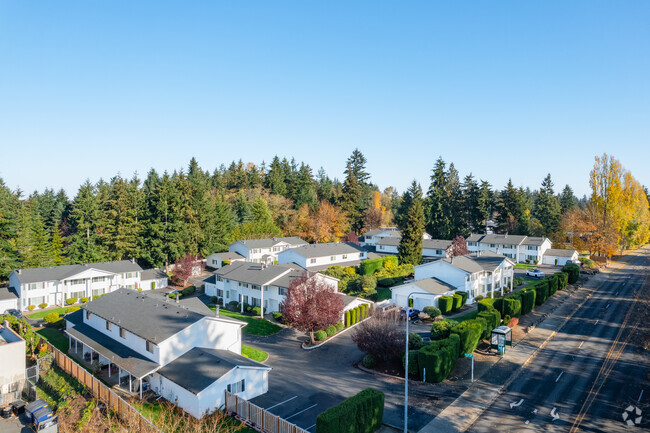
(194, 211)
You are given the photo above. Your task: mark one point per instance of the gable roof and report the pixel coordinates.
(57, 273)
(153, 274)
(475, 262)
(503, 239)
(229, 255)
(391, 231)
(560, 252)
(7, 293)
(433, 286)
(147, 316)
(323, 250)
(252, 273)
(436, 244)
(268, 243)
(199, 368)
(530, 240)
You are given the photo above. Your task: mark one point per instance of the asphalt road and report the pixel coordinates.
(588, 374)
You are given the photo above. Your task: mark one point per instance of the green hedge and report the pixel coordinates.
(438, 358)
(445, 304)
(413, 362)
(368, 267)
(527, 300)
(431, 311)
(552, 284)
(563, 280)
(348, 321)
(362, 413)
(573, 270)
(469, 332)
(463, 295)
(485, 304)
(320, 335)
(541, 288)
(331, 330)
(458, 302)
(441, 328)
(508, 306)
(492, 319)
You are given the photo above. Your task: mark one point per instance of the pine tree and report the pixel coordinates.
(568, 200)
(8, 210)
(439, 224)
(83, 246)
(56, 247)
(547, 207)
(485, 201)
(412, 228)
(472, 216)
(513, 212)
(454, 203)
(275, 179)
(355, 189)
(305, 189)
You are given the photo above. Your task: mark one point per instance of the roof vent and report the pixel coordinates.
(18, 271)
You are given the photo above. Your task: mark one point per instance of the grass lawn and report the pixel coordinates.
(254, 354)
(469, 316)
(55, 337)
(256, 326)
(524, 266)
(43, 313)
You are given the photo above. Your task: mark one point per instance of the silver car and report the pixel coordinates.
(536, 273)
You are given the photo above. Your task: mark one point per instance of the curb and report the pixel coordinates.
(302, 345)
(388, 376)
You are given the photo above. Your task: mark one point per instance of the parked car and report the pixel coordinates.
(535, 273)
(412, 313)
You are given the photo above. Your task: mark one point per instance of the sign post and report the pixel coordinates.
(469, 355)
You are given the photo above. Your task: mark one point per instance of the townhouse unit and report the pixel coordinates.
(257, 284)
(264, 250)
(317, 257)
(475, 273)
(53, 285)
(373, 236)
(432, 249)
(8, 299)
(559, 257)
(522, 249)
(189, 356)
(12, 373)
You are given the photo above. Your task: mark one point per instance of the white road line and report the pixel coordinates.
(597, 322)
(583, 342)
(310, 427)
(639, 399)
(298, 413)
(269, 408)
(558, 378)
(607, 306)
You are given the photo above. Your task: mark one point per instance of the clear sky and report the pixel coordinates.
(503, 89)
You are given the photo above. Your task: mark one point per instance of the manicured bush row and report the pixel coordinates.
(441, 328)
(485, 304)
(368, 267)
(361, 413)
(438, 358)
(432, 311)
(527, 300)
(563, 280)
(469, 333)
(573, 270)
(339, 326)
(415, 341)
(463, 296)
(331, 330)
(446, 304)
(320, 335)
(71, 301)
(552, 284)
(508, 306)
(492, 319)
(43, 305)
(458, 302)
(348, 319)
(414, 369)
(541, 289)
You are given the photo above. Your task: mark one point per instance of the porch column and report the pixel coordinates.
(262, 302)
(109, 368)
(140, 388)
(501, 281)
(69, 343)
(130, 387)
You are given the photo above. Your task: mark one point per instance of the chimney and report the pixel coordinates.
(133, 260)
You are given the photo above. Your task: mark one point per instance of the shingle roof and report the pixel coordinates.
(76, 317)
(57, 273)
(394, 231)
(322, 250)
(229, 255)
(7, 293)
(147, 316)
(530, 240)
(252, 273)
(474, 237)
(436, 244)
(119, 354)
(267, 243)
(503, 239)
(560, 252)
(153, 274)
(199, 368)
(434, 286)
(486, 261)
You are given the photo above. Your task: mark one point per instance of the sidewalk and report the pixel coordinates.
(464, 411)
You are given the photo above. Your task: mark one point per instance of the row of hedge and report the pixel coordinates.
(370, 266)
(328, 332)
(362, 413)
(451, 304)
(356, 314)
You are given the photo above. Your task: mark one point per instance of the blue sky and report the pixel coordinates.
(502, 89)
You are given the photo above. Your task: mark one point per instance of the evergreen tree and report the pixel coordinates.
(513, 212)
(275, 179)
(83, 244)
(412, 228)
(242, 209)
(439, 224)
(56, 247)
(356, 189)
(547, 207)
(8, 209)
(568, 200)
(305, 190)
(454, 203)
(472, 216)
(485, 201)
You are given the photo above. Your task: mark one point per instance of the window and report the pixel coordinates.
(237, 387)
(214, 262)
(219, 278)
(76, 282)
(228, 294)
(87, 315)
(77, 295)
(220, 293)
(345, 256)
(98, 279)
(439, 252)
(492, 246)
(381, 247)
(108, 325)
(246, 285)
(149, 346)
(312, 260)
(36, 286)
(282, 291)
(332, 258)
(97, 292)
(36, 300)
(122, 333)
(255, 286)
(532, 247)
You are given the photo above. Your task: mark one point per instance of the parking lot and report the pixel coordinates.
(15, 425)
(547, 269)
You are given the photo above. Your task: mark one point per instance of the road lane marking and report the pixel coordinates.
(554, 414)
(583, 342)
(298, 413)
(516, 404)
(597, 322)
(526, 422)
(558, 378)
(310, 427)
(535, 411)
(269, 408)
(607, 306)
(639, 399)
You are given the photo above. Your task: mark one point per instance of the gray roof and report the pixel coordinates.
(252, 273)
(560, 252)
(436, 244)
(434, 286)
(347, 299)
(285, 280)
(153, 274)
(57, 273)
(192, 303)
(268, 243)
(323, 250)
(199, 368)
(119, 354)
(475, 237)
(530, 240)
(7, 293)
(229, 255)
(394, 231)
(147, 316)
(484, 261)
(76, 317)
(503, 239)
(390, 241)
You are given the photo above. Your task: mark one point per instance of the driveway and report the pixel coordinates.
(304, 383)
(547, 269)
(15, 425)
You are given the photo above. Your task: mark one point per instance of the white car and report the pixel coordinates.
(534, 273)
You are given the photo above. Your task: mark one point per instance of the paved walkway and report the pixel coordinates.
(460, 415)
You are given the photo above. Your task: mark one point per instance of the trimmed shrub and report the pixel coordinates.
(492, 319)
(415, 341)
(432, 311)
(458, 302)
(386, 282)
(320, 335)
(441, 328)
(84, 300)
(369, 361)
(463, 295)
(256, 311)
(552, 284)
(508, 306)
(445, 304)
(72, 309)
(347, 319)
(414, 370)
(43, 305)
(214, 300)
(234, 304)
(360, 413)
(368, 267)
(563, 280)
(438, 358)
(469, 332)
(506, 320)
(71, 301)
(277, 316)
(96, 297)
(339, 326)
(174, 295)
(51, 318)
(485, 304)
(31, 307)
(331, 330)
(541, 290)
(573, 270)
(527, 300)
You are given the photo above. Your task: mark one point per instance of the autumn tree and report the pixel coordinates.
(458, 247)
(310, 304)
(381, 336)
(188, 266)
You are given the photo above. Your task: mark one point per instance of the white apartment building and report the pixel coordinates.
(432, 249)
(264, 250)
(520, 248)
(373, 236)
(317, 257)
(12, 372)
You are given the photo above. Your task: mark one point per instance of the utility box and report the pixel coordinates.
(501, 337)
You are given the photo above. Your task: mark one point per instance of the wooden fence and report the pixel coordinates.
(258, 418)
(103, 393)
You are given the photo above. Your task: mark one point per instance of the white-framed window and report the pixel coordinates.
(98, 292)
(245, 299)
(345, 256)
(88, 315)
(220, 293)
(312, 260)
(99, 279)
(332, 258)
(237, 387)
(77, 295)
(36, 300)
(282, 291)
(37, 286)
(219, 278)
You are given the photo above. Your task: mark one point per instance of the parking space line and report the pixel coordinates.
(310, 427)
(298, 413)
(269, 408)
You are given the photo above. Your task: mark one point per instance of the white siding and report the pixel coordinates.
(175, 393)
(291, 256)
(442, 271)
(400, 294)
(8, 304)
(256, 382)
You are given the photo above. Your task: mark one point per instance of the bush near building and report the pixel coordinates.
(469, 333)
(438, 359)
(446, 304)
(458, 302)
(573, 270)
(441, 328)
(362, 413)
